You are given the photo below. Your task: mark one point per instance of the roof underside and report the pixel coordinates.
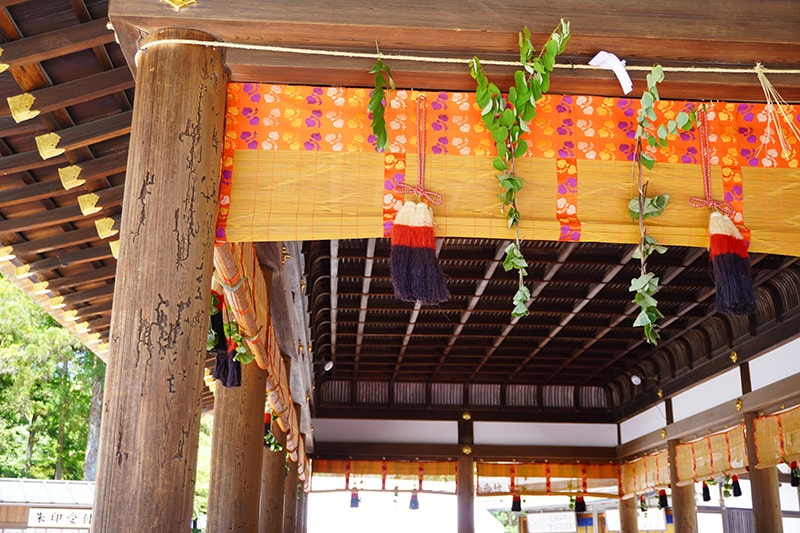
(571, 359)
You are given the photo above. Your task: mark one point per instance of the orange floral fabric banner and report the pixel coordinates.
(301, 163)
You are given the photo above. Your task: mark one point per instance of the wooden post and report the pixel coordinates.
(763, 486)
(466, 494)
(290, 496)
(236, 453)
(273, 473)
(628, 515)
(684, 507)
(302, 502)
(151, 414)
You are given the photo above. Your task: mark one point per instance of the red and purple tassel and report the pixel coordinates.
(516, 504)
(415, 271)
(706, 492)
(354, 499)
(737, 488)
(662, 499)
(580, 504)
(731, 264)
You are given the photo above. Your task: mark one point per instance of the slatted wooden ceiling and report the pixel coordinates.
(571, 359)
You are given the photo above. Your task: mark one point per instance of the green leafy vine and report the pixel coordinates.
(231, 330)
(384, 84)
(643, 207)
(506, 117)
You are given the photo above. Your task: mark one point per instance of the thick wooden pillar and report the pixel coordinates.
(273, 475)
(763, 486)
(628, 515)
(151, 414)
(236, 453)
(684, 507)
(466, 494)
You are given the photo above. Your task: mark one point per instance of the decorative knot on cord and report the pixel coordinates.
(419, 190)
(708, 201)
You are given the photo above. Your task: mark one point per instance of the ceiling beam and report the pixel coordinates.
(106, 198)
(409, 451)
(55, 43)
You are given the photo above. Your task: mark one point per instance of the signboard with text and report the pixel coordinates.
(43, 517)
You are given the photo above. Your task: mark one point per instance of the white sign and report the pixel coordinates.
(63, 518)
(552, 522)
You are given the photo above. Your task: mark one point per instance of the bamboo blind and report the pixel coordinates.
(778, 438)
(712, 456)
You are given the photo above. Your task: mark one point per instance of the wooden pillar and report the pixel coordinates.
(684, 507)
(628, 515)
(290, 495)
(466, 494)
(763, 486)
(151, 415)
(273, 474)
(236, 453)
(302, 502)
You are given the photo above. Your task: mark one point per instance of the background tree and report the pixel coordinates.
(46, 379)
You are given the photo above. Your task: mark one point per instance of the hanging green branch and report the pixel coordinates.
(643, 207)
(507, 117)
(384, 85)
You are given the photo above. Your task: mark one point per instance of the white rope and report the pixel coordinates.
(453, 60)
(776, 106)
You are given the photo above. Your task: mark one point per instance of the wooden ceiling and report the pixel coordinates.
(570, 360)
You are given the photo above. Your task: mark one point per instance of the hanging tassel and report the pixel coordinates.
(354, 500)
(516, 504)
(662, 499)
(795, 474)
(706, 493)
(727, 250)
(737, 488)
(731, 264)
(415, 271)
(580, 504)
(414, 502)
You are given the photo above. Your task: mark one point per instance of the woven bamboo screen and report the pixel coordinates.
(778, 438)
(601, 480)
(645, 473)
(712, 456)
(299, 163)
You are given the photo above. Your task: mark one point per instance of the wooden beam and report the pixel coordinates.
(483, 413)
(66, 259)
(54, 242)
(92, 275)
(106, 198)
(80, 90)
(101, 309)
(55, 44)
(783, 392)
(102, 129)
(405, 451)
(740, 38)
(104, 293)
(25, 161)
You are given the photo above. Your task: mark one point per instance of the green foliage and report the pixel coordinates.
(243, 353)
(642, 206)
(45, 389)
(384, 84)
(506, 117)
(203, 482)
